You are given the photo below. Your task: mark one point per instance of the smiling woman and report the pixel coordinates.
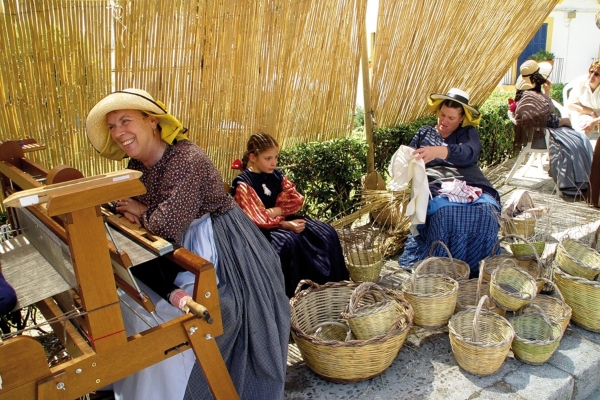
(185, 203)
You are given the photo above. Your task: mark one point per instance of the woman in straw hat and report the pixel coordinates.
(185, 203)
(464, 209)
(570, 151)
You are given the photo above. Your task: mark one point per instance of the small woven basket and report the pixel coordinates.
(577, 259)
(522, 225)
(456, 269)
(370, 313)
(332, 330)
(533, 266)
(433, 297)
(583, 296)
(480, 339)
(523, 250)
(364, 265)
(511, 287)
(554, 305)
(536, 336)
(343, 361)
(469, 293)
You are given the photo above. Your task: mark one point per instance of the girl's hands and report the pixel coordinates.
(296, 225)
(131, 209)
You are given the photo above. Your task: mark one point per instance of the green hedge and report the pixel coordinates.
(329, 173)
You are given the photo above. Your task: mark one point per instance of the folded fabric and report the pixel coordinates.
(458, 191)
(405, 169)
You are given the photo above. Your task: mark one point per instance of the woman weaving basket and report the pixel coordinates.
(464, 208)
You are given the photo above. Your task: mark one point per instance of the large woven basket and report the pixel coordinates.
(583, 296)
(469, 293)
(456, 269)
(364, 265)
(536, 336)
(554, 305)
(433, 297)
(343, 361)
(577, 259)
(480, 339)
(370, 313)
(511, 287)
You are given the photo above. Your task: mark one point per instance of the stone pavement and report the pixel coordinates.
(425, 367)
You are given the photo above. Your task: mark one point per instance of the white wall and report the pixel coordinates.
(577, 39)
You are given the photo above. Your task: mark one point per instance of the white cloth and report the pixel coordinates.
(167, 379)
(404, 169)
(582, 94)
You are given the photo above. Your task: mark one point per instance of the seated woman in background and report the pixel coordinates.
(570, 151)
(583, 102)
(464, 210)
(186, 204)
(308, 249)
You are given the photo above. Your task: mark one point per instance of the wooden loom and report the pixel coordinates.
(101, 352)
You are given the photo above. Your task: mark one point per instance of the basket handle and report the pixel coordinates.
(537, 257)
(479, 281)
(558, 293)
(320, 326)
(365, 288)
(544, 315)
(303, 282)
(476, 317)
(415, 273)
(447, 252)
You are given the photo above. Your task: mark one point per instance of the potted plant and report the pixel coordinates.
(542, 55)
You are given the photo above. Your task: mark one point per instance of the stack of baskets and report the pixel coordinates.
(325, 339)
(577, 275)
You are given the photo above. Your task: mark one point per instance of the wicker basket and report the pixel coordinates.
(469, 293)
(480, 339)
(433, 297)
(364, 265)
(522, 225)
(577, 259)
(524, 250)
(343, 361)
(511, 287)
(533, 266)
(583, 296)
(554, 305)
(536, 336)
(456, 269)
(370, 313)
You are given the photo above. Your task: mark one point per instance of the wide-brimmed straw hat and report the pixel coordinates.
(128, 99)
(527, 69)
(460, 96)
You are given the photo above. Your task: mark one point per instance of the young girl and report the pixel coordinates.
(308, 249)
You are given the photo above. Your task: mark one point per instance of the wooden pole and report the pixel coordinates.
(366, 76)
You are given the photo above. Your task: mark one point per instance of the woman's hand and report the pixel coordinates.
(274, 212)
(296, 225)
(131, 209)
(546, 87)
(429, 153)
(589, 126)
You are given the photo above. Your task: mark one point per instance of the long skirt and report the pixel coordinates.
(469, 231)
(315, 254)
(570, 160)
(256, 321)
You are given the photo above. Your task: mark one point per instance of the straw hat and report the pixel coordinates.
(528, 68)
(457, 95)
(128, 99)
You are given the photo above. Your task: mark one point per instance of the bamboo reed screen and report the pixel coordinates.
(226, 69)
(230, 68)
(424, 47)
